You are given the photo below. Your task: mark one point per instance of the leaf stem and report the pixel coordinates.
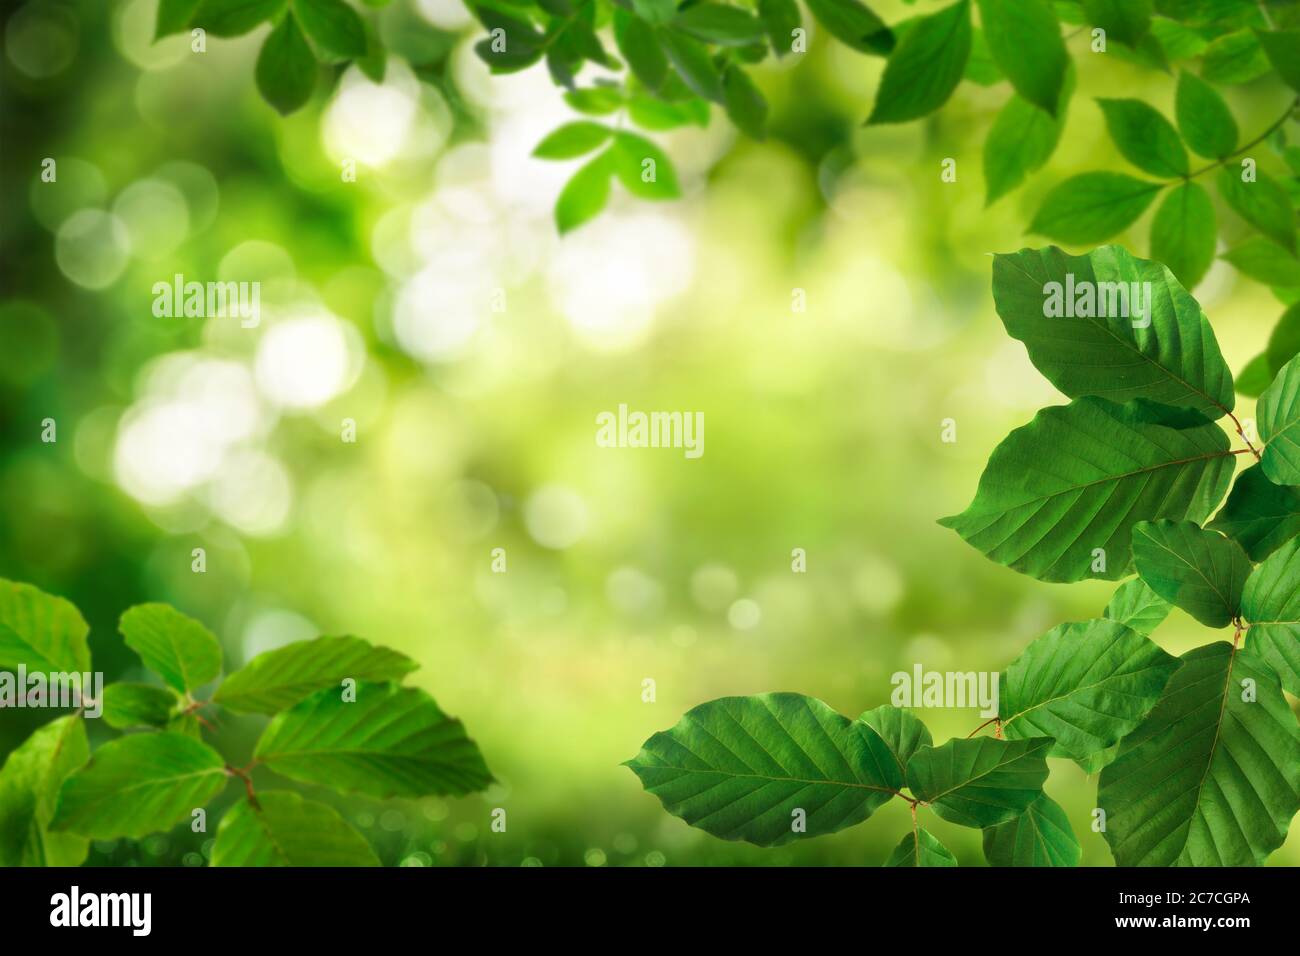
(1277, 123)
(244, 775)
(991, 720)
(1242, 432)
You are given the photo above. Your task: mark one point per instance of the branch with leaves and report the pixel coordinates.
(1199, 756)
(339, 718)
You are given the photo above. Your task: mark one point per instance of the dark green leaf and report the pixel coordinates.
(177, 648)
(29, 788)
(1263, 203)
(138, 785)
(745, 104)
(1068, 518)
(286, 830)
(390, 742)
(1283, 51)
(280, 678)
(1254, 377)
(1212, 776)
(572, 139)
(780, 18)
(286, 67)
(1093, 207)
(853, 24)
(1234, 58)
(1259, 515)
(921, 848)
(232, 18)
(637, 42)
(742, 768)
(1200, 571)
(1278, 415)
(925, 67)
(1203, 118)
(1125, 20)
(1183, 233)
(1271, 604)
(1021, 140)
(719, 24)
(1025, 40)
(979, 782)
(693, 63)
(174, 16)
(1145, 138)
(333, 26)
(1284, 340)
(1041, 836)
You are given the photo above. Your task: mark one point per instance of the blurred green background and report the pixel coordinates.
(475, 424)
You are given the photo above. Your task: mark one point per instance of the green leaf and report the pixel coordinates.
(585, 194)
(649, 112)
(740, 768)
(139, 784)
(1271, 603)
(1084, 685)
(177, 648)
(921, 848)
(655, 11)
(853, 24)
(29, 788)
(280, 678)
(1164, 351)
(745, 104)
(1183, 233)
(1137, 607)
(1204, 118)
(1259, 515)
(232, 18)
(1145, 138)
(901, 730)
(287, 830)
(694, 65)
(174, 16)
(981, 781)
(390, 742)
(1263, 203)
(572, 140)
(1284, 340)
(1041, 836)
(1234, 58)
(521, 44)
(1254, 377)
(1092, 207)
(1021, 140)
(1212, 776)
(595, 100)
(138, 705)
(1282, 48)
(1126, 20)
(925, 67)
(643, 168)
(1265, 261)
(637, 42)
(719, 25)
(1065, 518)
(780, 19)
(980, 67)
(286, 68)
(1278, 416)
(41, 632)
(1025, 40)
(333, 26)
(1200, 571)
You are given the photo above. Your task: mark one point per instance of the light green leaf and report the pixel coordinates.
(232, 18)
(139, 784)
(1254, 377)
(981, 781)
(643, 168)
(138, 705)
(1263, 203)
(1259, 515)
(980, 67)
(572, 140)
(720, 25)
(333, 26)
(1085, 685)
(1144, 137)
(29, 788)
(287, 830)
(1200, 571)
(1265, 261)
(177, 648)
(1212, 776)
(40, 631)
(1059, 518)
(280, 678)
(901, 730)
(1021, 140)
(286, 68)
(173, 16)
(1184, 233)
(1137, 607)
(1025, 40)
(1282, 48)
(853, 24)
(1092, 207)
(1271, 603)
(1041, 836)
(740, 768)
(925, 67)
(1234, 58)
(921, 848)
(1204, 118)
(1278, 416)
(595, 100)
(1284, 340)
(585, 194)
(1084, 331)
(390, 742)
(1126, 20)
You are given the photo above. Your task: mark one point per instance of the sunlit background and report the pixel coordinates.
(431, 303)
